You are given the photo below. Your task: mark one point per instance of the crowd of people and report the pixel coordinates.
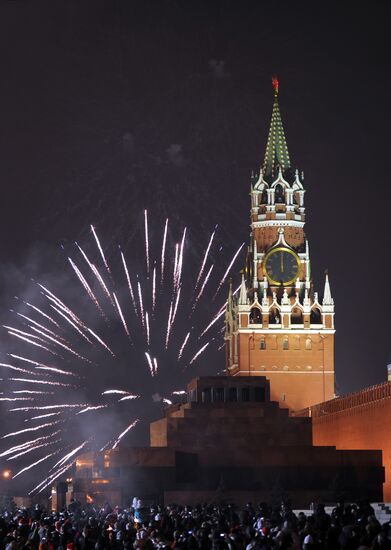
(207, 526)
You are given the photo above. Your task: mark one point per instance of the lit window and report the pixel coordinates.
(262, 344)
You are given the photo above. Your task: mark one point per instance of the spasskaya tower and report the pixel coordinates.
(276, 324)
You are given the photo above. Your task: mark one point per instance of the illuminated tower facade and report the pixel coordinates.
(276, 324)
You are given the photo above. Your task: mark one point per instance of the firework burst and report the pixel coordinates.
(105, 351)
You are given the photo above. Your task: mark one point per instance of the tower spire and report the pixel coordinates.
(276, 154)
(327, 299)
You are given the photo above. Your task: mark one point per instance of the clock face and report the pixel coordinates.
(281, 265)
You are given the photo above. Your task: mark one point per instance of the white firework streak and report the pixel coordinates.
(100, 341)
(202, 287)
(147, 327)
(132, 425)
(25, 371)
(129, 397)
(45, 416)
(68, 348)
(180, 260)
(23, 333)
(166, 401)
(175, 270)
(27, 444)
(168, 326)
(92, 408)
(74, 325)
(179, 392)
(121, 314)
(35, 308)
(176, 306)
(32, 342)
(205, 258)
(100, 248)
(229, 268)
(36, 323)
(149, 363)
(155, 365)
(70, 455)
(183, 345)
(34, 448)
(59, 303)
(140, 297)
(86, 286)
(40, 427)
(128, 281)
(34, 392)
(42, 366)
(17, 399)
(199, 352)
(118, 392)
(102, 283)
(162, 261)
(50, 407)
(51, 478)
(46, 382)
(154, 289)
(33, 464)
(146, 239)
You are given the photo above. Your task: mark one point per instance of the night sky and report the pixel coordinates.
(110, 107)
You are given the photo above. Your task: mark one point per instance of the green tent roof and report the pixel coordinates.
(276, 154)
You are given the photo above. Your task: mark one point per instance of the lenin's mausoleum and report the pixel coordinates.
(271, 426)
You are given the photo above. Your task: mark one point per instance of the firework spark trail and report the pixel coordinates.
(102, 284)
(36, 392)
(183, 345)
(162, 261)
(127, 397)
(70, 454)
(217, 316)
(42, 366)
(17, 399)
(140, 298)
(40, 427)
(100, 249)
(147, 328)
(168, 326)
(119, 392)
(154, 290)
(32, 342)
(132, 425)
(205, 258)
(178, 296)
(180, 259)
(92, 408)
(68, 348)
(35, 323)
(59, 303)
(228, 269)
(74, 325)
(155, 365)
(199, 352)
(33, 464)
(45, 416)
(175, 270)
(34, 448)
(51, 478)
(35, 308)
(86, 286)
(25, 371)
(100, 341)
(47, 382)
(128, 281)
(202, 287)
(149, 363)
(27, 444)
(23, 333)
(146, 239)
(121, 314)
(49, 407)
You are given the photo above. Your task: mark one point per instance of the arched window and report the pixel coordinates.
(279, 195)
(285, 343)
(308, 343)
(274, 317)
(296, 316)
(316, 316)
(264, 197)
(255, 316)
(262, 343)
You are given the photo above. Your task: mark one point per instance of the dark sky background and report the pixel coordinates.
(108, 107)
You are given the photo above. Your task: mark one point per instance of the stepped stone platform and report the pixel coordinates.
(228, 442)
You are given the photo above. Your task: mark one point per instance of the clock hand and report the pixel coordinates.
(282, 262)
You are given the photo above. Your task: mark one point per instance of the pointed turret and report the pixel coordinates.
(327, 298)
(243, 292)
(276, 155)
